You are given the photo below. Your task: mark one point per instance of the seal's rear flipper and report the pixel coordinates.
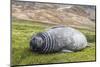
(88, 45)
(65, 51)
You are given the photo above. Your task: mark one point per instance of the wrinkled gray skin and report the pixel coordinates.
(58, 39)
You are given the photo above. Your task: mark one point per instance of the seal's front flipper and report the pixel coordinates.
(65, 51)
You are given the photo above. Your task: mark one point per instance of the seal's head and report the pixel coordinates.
(36, 43)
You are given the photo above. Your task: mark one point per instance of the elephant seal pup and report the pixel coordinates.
(58, 39)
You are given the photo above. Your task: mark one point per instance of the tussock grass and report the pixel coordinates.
(21, 55)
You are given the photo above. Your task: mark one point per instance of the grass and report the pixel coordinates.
(21, 55)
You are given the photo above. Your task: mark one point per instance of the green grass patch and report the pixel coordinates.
(21, 34)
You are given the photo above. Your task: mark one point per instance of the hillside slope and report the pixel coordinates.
(59, 14)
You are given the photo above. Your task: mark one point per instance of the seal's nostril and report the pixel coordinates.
(33, 45)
